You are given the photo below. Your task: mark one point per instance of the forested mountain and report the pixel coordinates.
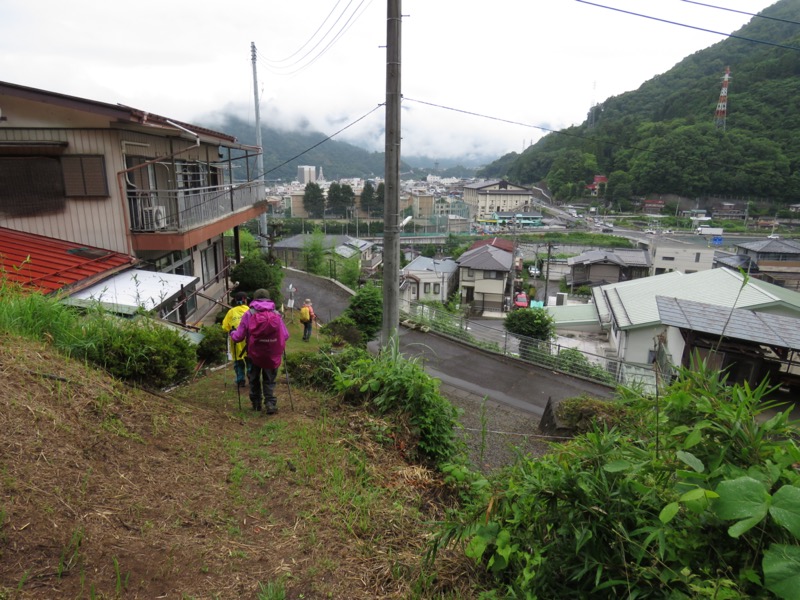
(663, 137)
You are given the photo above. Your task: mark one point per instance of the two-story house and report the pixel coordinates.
(597, 267)
(486, 275)
(427, 279)
(774, 261)
(118, 178)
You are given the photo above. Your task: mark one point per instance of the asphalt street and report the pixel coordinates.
(461, 369)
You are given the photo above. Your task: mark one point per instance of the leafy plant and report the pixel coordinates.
(632, 507)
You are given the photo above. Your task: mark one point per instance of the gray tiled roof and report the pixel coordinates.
(772, 246)
(740, 324)
(423, 263)
(486, 258)
(621, 257)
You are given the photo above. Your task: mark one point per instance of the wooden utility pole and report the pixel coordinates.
(391, 200)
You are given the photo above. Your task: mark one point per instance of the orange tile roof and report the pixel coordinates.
(48, 265)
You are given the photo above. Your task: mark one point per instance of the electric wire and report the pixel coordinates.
(742, 12)
(307, 42)
(303, 62)
(258, 176)
(730, 35)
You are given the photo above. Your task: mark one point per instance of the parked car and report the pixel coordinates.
(773, 236)
(668, 232)
(651, 231)
(607, 230)
(521, 300)
(534, 271)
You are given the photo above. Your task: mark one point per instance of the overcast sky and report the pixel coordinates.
(530, 65)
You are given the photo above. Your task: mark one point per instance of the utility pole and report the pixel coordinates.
(547, 272)
(262, 218)
(391, 200)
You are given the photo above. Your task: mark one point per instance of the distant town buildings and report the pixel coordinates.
(306, 174)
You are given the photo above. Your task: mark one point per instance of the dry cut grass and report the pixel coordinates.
(112, 492)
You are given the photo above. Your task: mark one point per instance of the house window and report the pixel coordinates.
(30, 185)
(470, 273)
(427, 288)
(208, 258)
(84, 175)
(667, 258)
(436, 288)
(697, 257)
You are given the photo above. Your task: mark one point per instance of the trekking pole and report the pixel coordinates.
(289, 387)
(239, 393)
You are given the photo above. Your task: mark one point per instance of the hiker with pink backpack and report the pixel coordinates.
(266, 335)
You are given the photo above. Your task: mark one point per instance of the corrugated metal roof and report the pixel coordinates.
(739, 324)
(125, 293)
(633, 302)
(48, 265)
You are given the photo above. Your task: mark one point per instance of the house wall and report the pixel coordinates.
(98, 222)
(683, 259)
(603, 272)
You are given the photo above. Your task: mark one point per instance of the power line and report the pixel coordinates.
(730, 35)
(353, 17)
(742, 12)
(308, 41)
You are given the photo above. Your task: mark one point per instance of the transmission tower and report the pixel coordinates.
(721, 114)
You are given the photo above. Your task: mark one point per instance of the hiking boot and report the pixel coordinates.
(256, 404)
(271, 409)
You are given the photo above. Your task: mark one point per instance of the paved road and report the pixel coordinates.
(462, 369)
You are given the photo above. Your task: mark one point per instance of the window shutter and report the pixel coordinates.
(84, 175)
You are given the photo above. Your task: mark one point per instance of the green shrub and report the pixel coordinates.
(366, 310)
(584, 413)
(213, 348)
(139, 350)
(572, 360)
(343, 329)
(254, 272)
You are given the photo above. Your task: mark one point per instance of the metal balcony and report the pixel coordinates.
(181, 210)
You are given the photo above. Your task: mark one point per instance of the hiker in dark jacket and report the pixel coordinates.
(266, 335)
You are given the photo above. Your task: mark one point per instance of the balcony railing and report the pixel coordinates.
(185, 209)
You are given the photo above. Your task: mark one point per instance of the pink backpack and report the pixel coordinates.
(266, 338)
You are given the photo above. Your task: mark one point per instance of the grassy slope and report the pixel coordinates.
(111, 492)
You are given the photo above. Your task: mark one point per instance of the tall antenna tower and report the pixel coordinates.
(721, 114)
